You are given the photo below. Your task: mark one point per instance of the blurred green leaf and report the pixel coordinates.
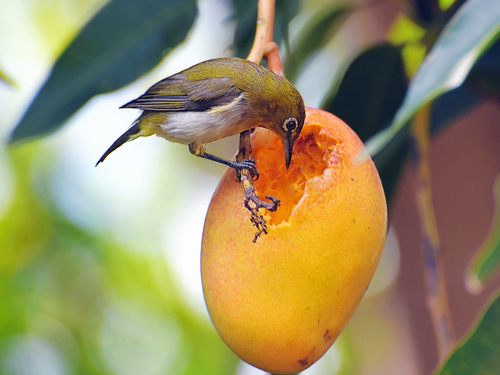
(371, 90)
(5, 78)
(480, 352)
(62, 286)
(124, 40)
(316, 34)
(285, 11)
(369, 95)
(245, 15)
(19, 246)
(445, 4)
(469, 33)
(484, 78)
(405, 30)
(482, 83)
(452, 105)
(425, 11)
(486, 262)
(408, 35)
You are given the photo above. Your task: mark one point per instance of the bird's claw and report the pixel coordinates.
(249, 165)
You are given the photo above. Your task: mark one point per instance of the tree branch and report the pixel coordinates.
(437, 299)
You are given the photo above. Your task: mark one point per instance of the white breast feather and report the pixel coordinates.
(204, 127)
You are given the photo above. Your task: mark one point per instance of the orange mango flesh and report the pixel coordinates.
(280, 303)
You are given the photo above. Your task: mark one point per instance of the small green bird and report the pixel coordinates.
(216, 99)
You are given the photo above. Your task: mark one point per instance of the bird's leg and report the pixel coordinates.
(247, 164)
(252, 201)
(239, 165)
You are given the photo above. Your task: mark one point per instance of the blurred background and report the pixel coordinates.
(99, 267)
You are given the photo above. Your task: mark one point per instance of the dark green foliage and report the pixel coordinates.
(483, 82)
(124, 40)
(478, 354)
(370, 93)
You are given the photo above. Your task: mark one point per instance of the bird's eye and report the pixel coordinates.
(290, 124)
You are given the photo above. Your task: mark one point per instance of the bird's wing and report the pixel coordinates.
(176, 93)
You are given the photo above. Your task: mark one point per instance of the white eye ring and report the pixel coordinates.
(290, 124)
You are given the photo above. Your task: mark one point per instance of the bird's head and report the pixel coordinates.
(288, 119)
(270, 101)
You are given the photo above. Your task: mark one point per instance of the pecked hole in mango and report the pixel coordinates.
(314, 151)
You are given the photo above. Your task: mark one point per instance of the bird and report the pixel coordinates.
(215, 99)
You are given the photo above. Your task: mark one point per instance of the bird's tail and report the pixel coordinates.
(132, 133)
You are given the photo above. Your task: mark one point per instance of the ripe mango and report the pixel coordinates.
(281, 302)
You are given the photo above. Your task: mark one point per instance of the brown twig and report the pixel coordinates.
(437, 299)
(263, 46)
(273, 58)
(264, 30)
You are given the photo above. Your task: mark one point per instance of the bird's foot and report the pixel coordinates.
(257, 219)
(247, 164)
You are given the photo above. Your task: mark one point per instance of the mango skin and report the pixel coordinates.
(280, 303)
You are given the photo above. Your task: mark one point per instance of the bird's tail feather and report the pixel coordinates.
(132, 133)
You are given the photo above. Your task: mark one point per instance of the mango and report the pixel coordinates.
(281, 302)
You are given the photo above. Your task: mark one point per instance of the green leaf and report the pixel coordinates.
(286, 10)
(405, 30)
(124, 40)
(367, 98)
(316, 34)
(468, 34)
(245, 14)
(371, 90)
(480, 352)
(425, 11)
(484, 78)
(452, 105)
(5, 78)
(486, 262)
(482, 83)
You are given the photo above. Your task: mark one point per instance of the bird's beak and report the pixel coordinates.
(288, 151)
